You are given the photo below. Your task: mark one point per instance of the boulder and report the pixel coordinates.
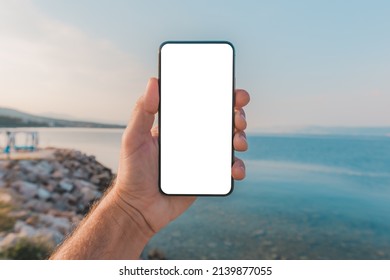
(9, 240)
(66, 186)
(80, 173)
(89, 195)
(24, 229)
(69, 198)
(44, 168)
(27, 189)
(95, 179)
(5, 197)
(28, 166)
(59, 172)
(38, 205)
(43, 194)
(80, 184)
(60, 224)
(51, 234)
(51, 196)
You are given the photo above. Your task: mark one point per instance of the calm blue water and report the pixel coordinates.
(305, 197)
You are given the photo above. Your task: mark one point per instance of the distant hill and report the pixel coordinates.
(327, 130)
(14, 118)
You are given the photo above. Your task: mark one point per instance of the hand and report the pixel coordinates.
(136, 187)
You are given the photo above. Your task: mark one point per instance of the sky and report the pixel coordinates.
(323, 63)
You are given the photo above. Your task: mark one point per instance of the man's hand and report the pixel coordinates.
(136, 189)
(126, 218)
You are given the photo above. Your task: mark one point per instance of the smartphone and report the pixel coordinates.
(196, 117)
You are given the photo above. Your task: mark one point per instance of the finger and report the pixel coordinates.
(142, 118)
(238, 169)
(242, 98)
(154, 131)
(152, 98)
(239, 141)
(239, 119)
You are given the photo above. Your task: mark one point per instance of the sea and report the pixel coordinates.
(304, 197)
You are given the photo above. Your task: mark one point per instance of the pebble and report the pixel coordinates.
(258, 232)
(156, 254)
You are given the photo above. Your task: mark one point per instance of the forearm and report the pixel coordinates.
(108, 232)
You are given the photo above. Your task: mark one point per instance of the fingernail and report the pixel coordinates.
(242, 168)
(243, 116)
(149, 83)
(243, 136)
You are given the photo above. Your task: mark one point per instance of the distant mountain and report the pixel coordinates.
(14, 118)
(328, 130)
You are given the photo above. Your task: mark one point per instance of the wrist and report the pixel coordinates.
(128, 217)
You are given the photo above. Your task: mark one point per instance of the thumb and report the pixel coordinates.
(142, 118)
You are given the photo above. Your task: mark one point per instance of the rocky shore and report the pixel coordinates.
(42, 200)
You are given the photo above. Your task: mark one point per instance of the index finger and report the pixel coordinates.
(242, 98)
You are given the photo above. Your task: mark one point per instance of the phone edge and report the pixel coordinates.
(159, 112)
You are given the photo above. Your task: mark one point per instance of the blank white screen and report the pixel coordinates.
(196, 106)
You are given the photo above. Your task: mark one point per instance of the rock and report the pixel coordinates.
(84, 184)
(61, 205)
(51, 235)
(60, 224)
(69, 198)
(5, 197)
(81, 174)
(55, 196)
(60, 173)
(227, 243)
(20, 214)
(4, 164)
(38, 205)
(51, 196)
(267, 243)
(156, 254)
(50, 186)
(9, 240)
(31, 177)
(26, 165)
(66, 186)
(176, 233)
(258, 232)
(95, 180)
(274, 256)
(24, 229)
(380, 253)
(43, 168)
(32, 220)
(89, 195)
(43, 194)
(27, 189)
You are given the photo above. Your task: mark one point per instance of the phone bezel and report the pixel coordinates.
(159, 112)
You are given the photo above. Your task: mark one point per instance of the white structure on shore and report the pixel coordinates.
(18, 141)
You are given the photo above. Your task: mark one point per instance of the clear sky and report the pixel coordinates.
(304, 62)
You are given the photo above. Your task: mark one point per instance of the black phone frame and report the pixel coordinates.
(159, 112)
